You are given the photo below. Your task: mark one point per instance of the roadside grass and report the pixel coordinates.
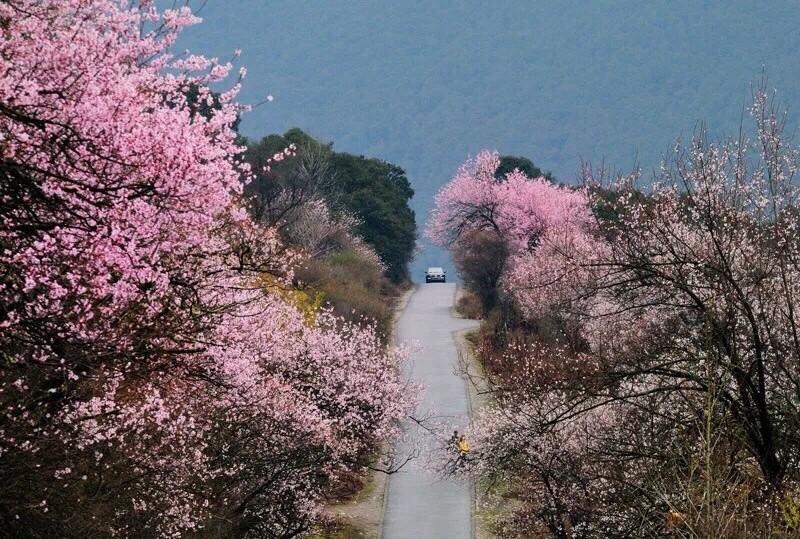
(468, 304)
(336, 531)
(497, 502)
(495, 499)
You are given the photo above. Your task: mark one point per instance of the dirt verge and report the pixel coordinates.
(479, 397)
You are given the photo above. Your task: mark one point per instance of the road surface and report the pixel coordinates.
(421, 505)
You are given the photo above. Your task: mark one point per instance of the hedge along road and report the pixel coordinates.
(419, 504)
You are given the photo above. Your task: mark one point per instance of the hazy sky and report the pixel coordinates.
(425, 84)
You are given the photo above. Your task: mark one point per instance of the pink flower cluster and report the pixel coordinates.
(289, 151)
(522, 211)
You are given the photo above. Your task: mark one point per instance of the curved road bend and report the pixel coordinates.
(420, 505)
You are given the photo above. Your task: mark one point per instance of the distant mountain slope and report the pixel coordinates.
(423, 84)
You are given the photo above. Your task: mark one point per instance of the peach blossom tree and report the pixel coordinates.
(155, 379)
(667, 382)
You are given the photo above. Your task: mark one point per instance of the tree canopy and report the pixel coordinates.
(509, 163)
(376, 192)
(649, 381)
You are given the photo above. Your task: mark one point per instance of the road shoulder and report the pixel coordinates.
(478, 397)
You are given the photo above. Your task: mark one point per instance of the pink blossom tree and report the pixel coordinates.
(154, 379)
(660, 372)
(706, 261)
(520, 210)
(518, 217)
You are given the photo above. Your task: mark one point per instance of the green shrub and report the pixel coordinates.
(469, 305)
(353, 287)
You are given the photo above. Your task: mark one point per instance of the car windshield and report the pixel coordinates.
(435, 270)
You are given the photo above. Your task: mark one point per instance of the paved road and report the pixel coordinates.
(420, 505)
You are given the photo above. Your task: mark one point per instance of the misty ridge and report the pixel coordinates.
(424, 85)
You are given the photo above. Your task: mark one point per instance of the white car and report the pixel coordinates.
(435, 275)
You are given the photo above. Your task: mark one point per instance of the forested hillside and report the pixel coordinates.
(374, 193)
(426, 84)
